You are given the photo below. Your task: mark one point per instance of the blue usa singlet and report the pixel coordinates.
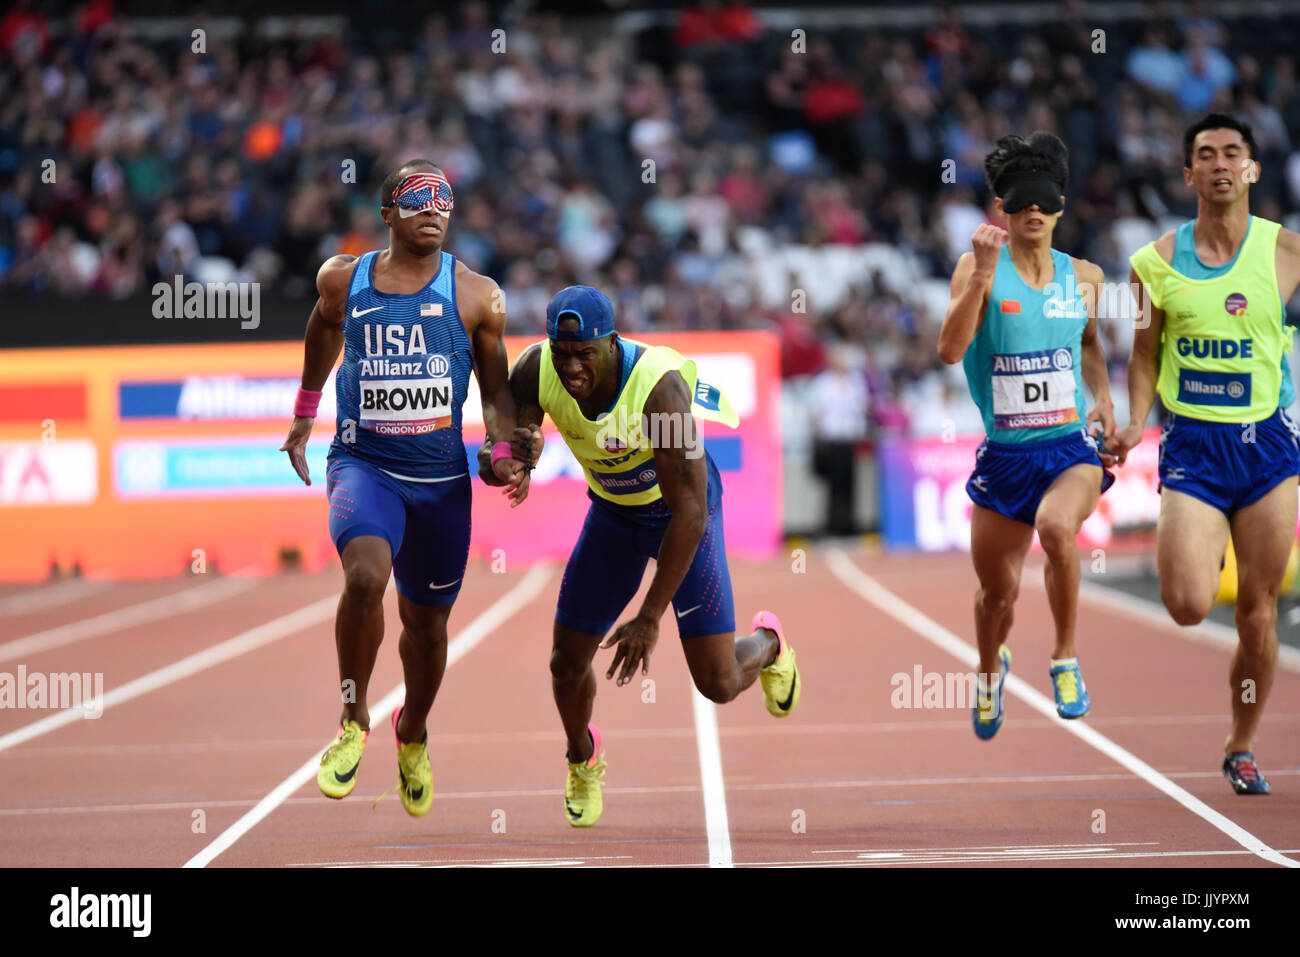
(405, 374)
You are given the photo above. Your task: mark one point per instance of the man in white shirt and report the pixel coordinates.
(839, 403)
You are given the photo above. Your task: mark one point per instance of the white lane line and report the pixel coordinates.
(492, 618)
(1212, 633)
(241, 644)
(654, 734)
(63, 593)
(989, 848)
(128, 617)
(549, 793)
(871, 591)
(913, 860)
(715, 792)
(453, 861)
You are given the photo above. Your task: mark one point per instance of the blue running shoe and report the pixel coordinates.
(989, 712)
(1243, 773)
(1071, 693)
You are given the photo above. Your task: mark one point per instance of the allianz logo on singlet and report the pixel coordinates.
(1059, 359)
(1214, 388)
(1206, 388)
(627, 482)
(434, 365)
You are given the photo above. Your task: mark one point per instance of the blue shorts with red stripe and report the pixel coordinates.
(1228, 465)
(426, 524)
(609, 560)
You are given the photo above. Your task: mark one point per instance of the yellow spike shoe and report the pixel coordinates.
(582, 800)
(782, 686)
(338, 766)
(415, 777)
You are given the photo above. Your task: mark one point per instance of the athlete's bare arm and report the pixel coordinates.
(684, 484)
(1143, 361)
(1287, 259)
(525, 386)
(1093, 359)
(971, 282)
(482, 306)
(321, 347)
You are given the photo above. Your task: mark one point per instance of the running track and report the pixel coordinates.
(232, 727)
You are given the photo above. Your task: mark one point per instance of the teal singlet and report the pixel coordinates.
(1022, 367)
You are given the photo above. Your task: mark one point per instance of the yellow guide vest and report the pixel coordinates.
(1223, 339)
(615, 450)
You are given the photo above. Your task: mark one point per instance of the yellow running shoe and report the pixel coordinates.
(338, 767)
(782, 686)
(416, 784)
(582, 801)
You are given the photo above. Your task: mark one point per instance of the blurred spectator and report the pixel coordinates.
(699, 173)
(1206, 73)
(839, 405)
(24, 34)
(178, 249)
(960, 218)
(831, 105)
(1154, 64)
(364, 233)
(705, 212)
(716, 22)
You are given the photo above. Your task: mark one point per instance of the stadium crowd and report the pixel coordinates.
(638, 162)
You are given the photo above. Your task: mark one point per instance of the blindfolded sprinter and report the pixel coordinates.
(1024, 327)
(410, 321)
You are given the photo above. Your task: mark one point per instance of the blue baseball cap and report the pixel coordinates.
(591, 307)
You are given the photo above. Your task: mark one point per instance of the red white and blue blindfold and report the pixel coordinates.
(421, 191)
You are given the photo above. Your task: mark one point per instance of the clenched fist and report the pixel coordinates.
(985, 243)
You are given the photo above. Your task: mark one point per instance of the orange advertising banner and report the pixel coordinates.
(155, 460)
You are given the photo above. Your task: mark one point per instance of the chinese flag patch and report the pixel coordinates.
(1010, 305)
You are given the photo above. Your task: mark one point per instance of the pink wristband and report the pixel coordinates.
(306, 403)
(501, 450)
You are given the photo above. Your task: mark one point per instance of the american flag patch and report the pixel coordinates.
(1010, 305)
(428, 309)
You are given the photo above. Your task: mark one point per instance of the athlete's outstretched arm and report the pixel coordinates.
(488, 340)
(1142, 366)
(684, 484)
(525, 386)
(524, 379)
(321, 347)
(971, 282)
(1093, 365)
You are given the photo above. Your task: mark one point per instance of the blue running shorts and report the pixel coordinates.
(609, 560)
(1011, 478)
(425, 523)
(1228, 464)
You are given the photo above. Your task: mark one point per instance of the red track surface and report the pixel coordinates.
(871, 785)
